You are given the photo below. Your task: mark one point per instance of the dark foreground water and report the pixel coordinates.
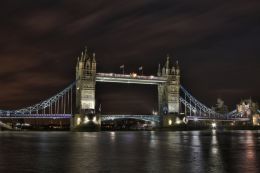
(198, 152)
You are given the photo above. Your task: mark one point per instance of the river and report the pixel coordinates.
(143, 151)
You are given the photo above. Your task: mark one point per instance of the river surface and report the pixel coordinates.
(135, 152)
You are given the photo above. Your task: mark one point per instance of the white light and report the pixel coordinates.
(155, 113)
(78, 120)
(78, 88)
(153, 123)
(86, 120)
(178, 121)
(214, 125)
(94, 119)
(170, 122)
(26, 124)
(134, 75)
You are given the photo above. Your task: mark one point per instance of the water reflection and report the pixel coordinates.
(250, 155)
(198, 151)
(112, 136)
(214, 143)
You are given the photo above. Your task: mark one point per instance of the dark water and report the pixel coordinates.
(198, 152)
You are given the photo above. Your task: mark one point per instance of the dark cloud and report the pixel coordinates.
(216, 43)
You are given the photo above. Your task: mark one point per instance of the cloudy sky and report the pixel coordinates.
(215, 42)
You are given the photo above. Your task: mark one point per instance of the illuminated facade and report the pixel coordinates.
(168, 92)
(85, 88)
(86, 82)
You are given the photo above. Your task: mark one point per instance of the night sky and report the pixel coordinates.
(215, 42)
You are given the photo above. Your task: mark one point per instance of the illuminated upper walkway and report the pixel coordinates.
(132, 78)
(151, 118)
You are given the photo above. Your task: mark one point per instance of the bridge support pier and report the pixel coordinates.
(168, 120)
(88, 122)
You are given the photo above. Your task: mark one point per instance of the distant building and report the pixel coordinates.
(248, 108)
(220, 107)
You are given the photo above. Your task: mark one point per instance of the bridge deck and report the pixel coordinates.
(135, 79)
(37, 116)
(197, 118)
(155, 118)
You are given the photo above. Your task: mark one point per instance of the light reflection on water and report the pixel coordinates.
(194, 151)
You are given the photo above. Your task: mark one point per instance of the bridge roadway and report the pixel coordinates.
(151, 118)
(156, 118)
(201, 118)
(36, 116)
(133, 78)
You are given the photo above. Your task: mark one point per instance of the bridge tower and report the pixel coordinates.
(85, 90)
(168, 93)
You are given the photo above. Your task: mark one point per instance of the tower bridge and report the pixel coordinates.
(173, 99)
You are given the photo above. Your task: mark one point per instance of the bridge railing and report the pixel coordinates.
(197, 104)
(153, 118)
(114, 75)
(52, 116)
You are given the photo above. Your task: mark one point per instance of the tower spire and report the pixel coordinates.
(177, 68)
(173, 70)
(81, 57)
(86, 50)
(85, 54)
(78, 61)
(94, 58)
(167, 65)
(159, 70)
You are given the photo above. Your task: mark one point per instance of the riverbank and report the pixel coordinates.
(95, 128)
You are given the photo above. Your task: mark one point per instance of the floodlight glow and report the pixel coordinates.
(178, 121)
(86, 120)
(78, 120)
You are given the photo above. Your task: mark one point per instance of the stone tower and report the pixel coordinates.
(85, 89)
(168, 93)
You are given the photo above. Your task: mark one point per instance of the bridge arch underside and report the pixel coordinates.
(126, 99)
(146, 118)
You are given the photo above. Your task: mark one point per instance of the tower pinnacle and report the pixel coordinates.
(159, 70)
